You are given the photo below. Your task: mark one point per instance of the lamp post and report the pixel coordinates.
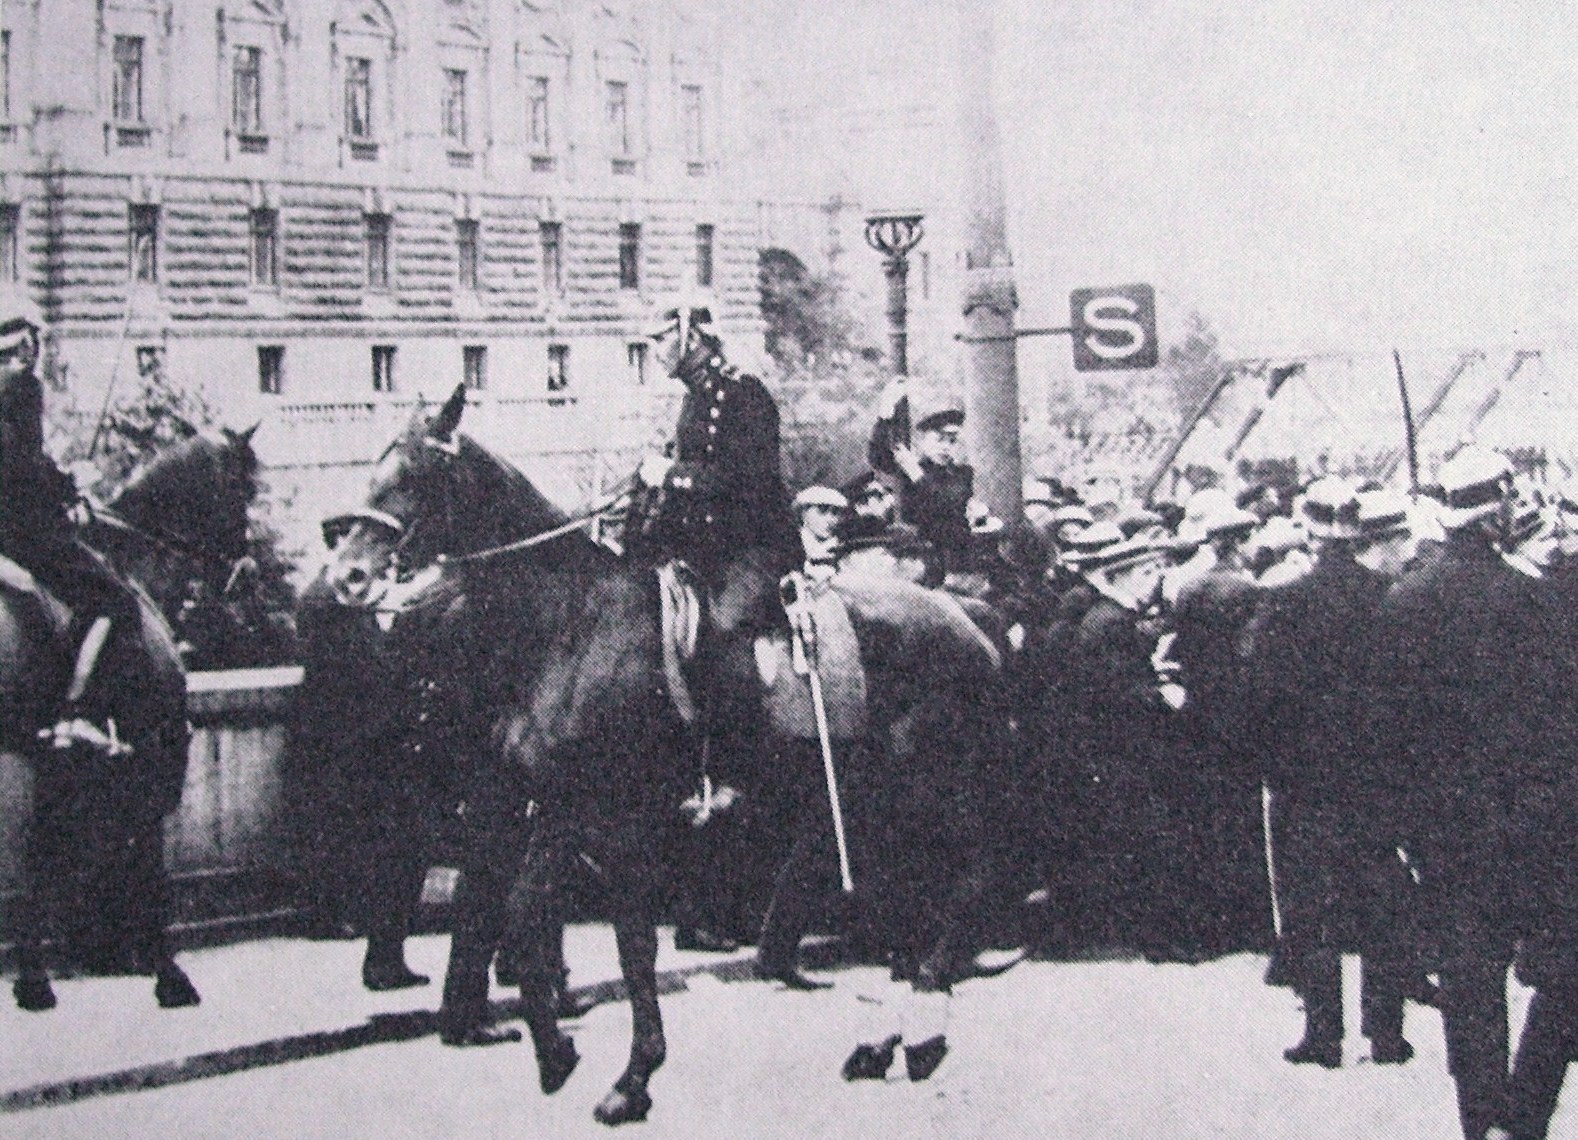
(893, 235)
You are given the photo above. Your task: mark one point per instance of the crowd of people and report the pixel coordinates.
(1318, 719)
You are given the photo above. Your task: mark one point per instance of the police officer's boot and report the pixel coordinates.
(72, 727)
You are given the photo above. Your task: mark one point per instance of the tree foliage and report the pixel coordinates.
(827, 372)
(1192, 367)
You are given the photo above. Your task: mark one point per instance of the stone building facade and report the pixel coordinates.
(318, 211)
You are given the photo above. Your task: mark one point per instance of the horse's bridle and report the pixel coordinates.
(174, 543)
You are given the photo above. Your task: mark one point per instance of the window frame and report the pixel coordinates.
(10, 243)
(630, 255)
(550, 239)
(142, 221)
(378, 252)
(359, 80)
(246, 105)
(693, 122)
(617, 133)
(453, 125)
(706, 254)
(263, 247)
(128, 70)
(558, 368)
(539, 89)
(474, 367)
(383, 363)
(637, 357)
(271, 369)
(468, 254)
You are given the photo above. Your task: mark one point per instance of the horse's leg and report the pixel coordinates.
(32, 989)
(171, 987)
(533, 921)
(635, 927)
(477, 927)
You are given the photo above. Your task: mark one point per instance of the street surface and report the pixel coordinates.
(1117, 1048)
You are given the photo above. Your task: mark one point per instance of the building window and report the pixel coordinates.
(636, 357)
(246, 104)
(144, 243)
(558, 367)
(704, 234)
(271, 369)
(10, 242)
(630, 256)
(378, 228)
(466, 247)
(5, 76)
(263, 249)
(383, 368)
(127, 93)
(552, 234)
(359, 100)
(474, 366)
(695, 139)
(454, 108)
(537, 114)
(619, 118)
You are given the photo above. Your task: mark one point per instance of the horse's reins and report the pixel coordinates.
(584, 519)
(174, 543)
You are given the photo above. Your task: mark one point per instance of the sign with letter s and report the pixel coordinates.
(1113, 328)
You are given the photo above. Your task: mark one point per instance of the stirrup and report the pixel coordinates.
(70, 731)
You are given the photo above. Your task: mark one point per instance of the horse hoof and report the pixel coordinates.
(870, 1062)
(474, 1036)
(624, 1107)
(173, 989)
(397, 976)
(33, 994)
(555, 1066)
(922, 1060)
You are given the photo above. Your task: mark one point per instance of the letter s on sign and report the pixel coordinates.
(1113, 328)
(1113, 315)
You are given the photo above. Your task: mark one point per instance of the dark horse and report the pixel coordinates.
(590, 758)
(91, 846)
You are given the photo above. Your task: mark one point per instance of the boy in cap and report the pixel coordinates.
(921, 446)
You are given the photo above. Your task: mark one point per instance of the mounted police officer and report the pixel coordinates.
(719, 502)
(36, 530)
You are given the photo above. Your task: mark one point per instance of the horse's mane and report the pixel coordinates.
(180, 490)
(516, 509)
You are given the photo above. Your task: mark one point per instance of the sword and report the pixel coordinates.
(1271, 859)
(803, 663)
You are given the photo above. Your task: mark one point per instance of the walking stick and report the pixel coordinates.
(805, 664)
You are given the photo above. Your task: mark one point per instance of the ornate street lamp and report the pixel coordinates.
(893, 234)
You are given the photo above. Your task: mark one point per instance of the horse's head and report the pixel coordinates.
(433, 492)
(194, 496)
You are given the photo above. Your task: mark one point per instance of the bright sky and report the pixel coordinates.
(1309, 174)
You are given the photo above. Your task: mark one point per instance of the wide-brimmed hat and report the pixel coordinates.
(1331, 508)
(1124, 555)
(1212, 513)
(1382, 514)
(1476, 482)
(899, 539)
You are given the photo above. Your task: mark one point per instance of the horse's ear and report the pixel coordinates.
(448, 418)
(242, 438)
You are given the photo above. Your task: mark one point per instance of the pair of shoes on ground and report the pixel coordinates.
(1388, 1050)
(871, 1062)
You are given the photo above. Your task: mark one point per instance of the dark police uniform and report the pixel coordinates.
(725, 493)
(1340, 884)
(1453, 723)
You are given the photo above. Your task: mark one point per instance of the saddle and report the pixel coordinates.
(815, 634)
